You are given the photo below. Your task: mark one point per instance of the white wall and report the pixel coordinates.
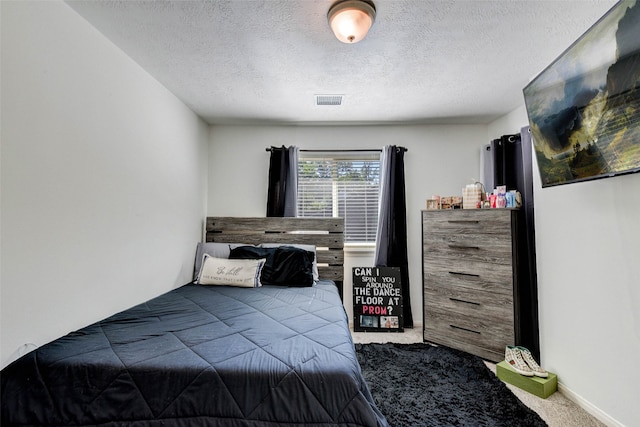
(588, 249)
(440, 160)
(103, 178)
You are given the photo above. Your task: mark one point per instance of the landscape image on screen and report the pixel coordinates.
(584, 109)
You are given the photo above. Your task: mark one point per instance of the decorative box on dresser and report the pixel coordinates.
(470, 280)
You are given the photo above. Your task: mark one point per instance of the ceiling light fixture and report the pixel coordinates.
(350, 20)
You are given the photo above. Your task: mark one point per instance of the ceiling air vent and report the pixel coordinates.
(329, 99)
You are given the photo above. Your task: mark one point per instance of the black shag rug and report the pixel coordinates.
(425, 385)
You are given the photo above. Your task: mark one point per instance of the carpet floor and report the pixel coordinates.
(425, 385)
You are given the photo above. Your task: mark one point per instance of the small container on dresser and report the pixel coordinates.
(469, 280)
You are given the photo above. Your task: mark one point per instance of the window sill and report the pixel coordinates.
(359, 247)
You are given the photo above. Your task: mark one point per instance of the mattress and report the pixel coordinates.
(200, 355)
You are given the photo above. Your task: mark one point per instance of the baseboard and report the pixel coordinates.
(600, 415)
(416, 325)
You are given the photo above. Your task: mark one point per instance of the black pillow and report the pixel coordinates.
(285, 265)
(254, 252)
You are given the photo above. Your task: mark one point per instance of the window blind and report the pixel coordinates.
(344, 184)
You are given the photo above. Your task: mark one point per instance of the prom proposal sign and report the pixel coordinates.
(377, 299)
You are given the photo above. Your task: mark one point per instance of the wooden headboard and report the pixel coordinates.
(327, 234)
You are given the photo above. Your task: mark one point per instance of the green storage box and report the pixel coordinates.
(541, 387)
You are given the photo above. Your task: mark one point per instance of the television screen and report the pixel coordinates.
(584, 108)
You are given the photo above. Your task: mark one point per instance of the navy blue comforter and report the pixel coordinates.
(200, 356)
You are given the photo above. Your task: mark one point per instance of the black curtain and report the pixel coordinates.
(391, 235)
(283, 182)
(513, 167)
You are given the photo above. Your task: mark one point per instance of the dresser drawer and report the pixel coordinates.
(443, 328)
(495, 301)
(461, 222)
(492, 248)
(494, 353)
(467, 274)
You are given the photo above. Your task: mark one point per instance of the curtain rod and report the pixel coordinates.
(341, 151)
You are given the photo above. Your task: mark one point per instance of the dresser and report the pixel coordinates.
(469, 280)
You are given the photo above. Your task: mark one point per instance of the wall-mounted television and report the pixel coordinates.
(584, 108)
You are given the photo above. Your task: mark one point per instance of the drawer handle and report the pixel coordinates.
(465, 329)
(455, 273)
(466, 302)
(463, 221)
(463, 247)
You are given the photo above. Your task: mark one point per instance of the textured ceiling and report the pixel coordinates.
(437, 61)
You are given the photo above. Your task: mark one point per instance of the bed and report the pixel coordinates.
(200, 355)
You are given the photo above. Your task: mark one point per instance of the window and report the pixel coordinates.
(345, 185)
